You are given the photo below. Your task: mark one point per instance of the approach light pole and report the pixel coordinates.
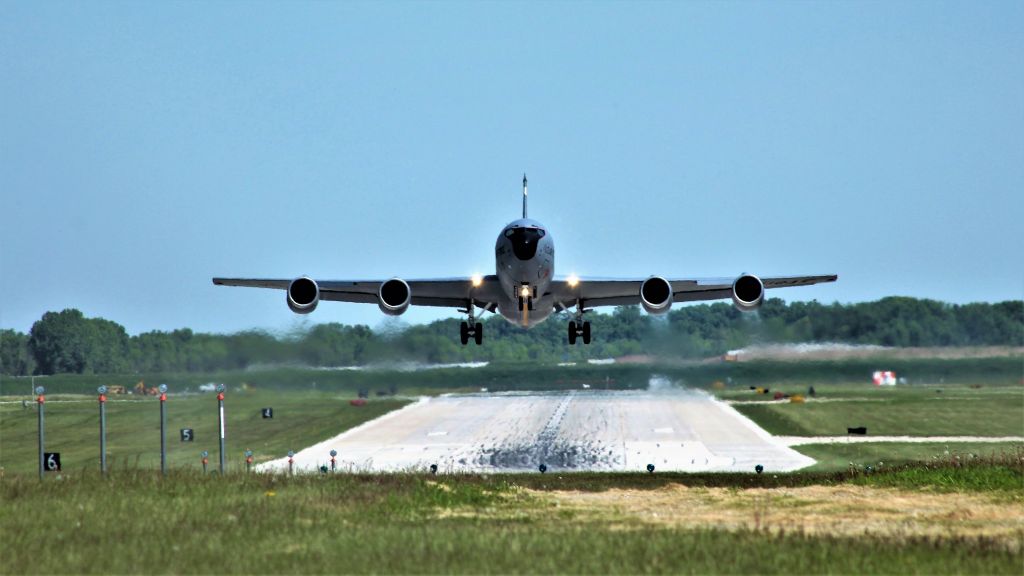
(220, 421)
(102, 390)
(163, 429)
(40, 400)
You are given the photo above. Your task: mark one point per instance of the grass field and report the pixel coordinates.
(888, 522)
(954, 410)
(838, 456)
(133, 428)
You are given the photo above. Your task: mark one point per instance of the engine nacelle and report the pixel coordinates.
(303, 295)
(656, 295)
(747, 292)
(394, 297)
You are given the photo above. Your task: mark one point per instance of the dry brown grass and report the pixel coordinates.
(831, 510)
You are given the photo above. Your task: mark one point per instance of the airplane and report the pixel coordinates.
(523, 288)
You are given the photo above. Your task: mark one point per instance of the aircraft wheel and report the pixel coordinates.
(586, 332)
(572, 333)
(464, 333)
(478, 333)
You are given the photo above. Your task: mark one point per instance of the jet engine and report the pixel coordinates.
(303, 295)
(656, 295)
(747, 292)
(394, 297)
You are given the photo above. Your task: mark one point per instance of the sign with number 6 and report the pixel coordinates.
(52, 460)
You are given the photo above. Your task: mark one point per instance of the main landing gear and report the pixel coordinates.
(579, 327)
(476, 333)
(471, 329)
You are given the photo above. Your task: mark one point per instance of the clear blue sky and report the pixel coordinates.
(147, 146)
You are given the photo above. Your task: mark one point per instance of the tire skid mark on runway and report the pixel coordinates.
(547, 436)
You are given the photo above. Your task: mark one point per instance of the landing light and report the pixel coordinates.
(477, 280)
(572, 281)
(525, 291)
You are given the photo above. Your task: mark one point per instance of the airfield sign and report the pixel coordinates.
(187, 435)
(267, 413)
(52, 460)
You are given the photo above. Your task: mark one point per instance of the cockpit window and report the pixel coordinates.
(524, 241)
(510, 231)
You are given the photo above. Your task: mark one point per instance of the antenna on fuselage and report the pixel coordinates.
(524, 194)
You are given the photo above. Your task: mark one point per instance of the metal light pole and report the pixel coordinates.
(163, 429)
(248, 460)
(103, 428)
(40, 399)
(333, 461)
(205, 461)
(220, 419)
(291, 462)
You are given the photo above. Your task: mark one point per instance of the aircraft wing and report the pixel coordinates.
(440, 292)
(620, 292)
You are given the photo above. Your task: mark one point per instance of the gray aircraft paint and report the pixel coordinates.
(515, 273)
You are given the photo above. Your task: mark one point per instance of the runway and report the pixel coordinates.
(669, 427)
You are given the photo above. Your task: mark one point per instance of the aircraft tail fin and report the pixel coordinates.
(524, 194)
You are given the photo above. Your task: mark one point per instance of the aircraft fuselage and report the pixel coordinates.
(525, 263)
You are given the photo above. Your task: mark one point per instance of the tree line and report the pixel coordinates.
(68, 342)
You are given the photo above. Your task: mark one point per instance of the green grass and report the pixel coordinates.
(133, 428)
(840, 456)
(138, 522)
(911, 411)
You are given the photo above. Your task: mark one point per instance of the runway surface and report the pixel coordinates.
(672, 428)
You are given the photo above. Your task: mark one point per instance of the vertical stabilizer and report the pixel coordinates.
(524, 195)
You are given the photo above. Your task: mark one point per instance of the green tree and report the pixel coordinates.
(15, 357)
(66, 341)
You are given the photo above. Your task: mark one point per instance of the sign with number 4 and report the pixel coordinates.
(268, 412)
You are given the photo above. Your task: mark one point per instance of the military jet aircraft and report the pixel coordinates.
(524, 288)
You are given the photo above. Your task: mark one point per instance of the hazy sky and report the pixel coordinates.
(147, 146)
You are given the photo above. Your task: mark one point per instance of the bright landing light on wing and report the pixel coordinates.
(572, 281)
(477, 280)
